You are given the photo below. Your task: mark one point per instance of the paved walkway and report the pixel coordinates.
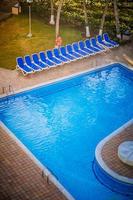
(110, 149)
(20, 177)
(18, 81)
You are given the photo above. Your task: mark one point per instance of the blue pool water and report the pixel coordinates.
(62, 123)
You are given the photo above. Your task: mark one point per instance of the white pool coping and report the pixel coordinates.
(48, 174)
(52, 178)
(63, 78)
(98, 154)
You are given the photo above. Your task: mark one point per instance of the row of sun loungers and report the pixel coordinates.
(64, 54)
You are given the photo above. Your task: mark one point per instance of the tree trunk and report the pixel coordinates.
(57, 28)
(117, 22)
(86, 20)
(103, 18)
(52, 22)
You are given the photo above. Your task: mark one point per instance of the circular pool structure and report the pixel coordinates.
(111, 182)
(125, 152)
(108, 168)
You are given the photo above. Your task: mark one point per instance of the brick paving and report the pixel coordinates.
(110, 149)
(20, 177)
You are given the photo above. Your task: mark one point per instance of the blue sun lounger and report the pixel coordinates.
(107, 39)
(102, 42)
(29, 62)
(36, 60)
(94, 43)
(64, 53)
(92, 48)
(84, 48)
(73, 53)
(45, 60)
(78, 50)
(23, 67)
(59, 56)
(53, 58)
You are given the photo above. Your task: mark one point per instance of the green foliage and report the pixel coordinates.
(72, 13)
(13, 32)
(14, 41)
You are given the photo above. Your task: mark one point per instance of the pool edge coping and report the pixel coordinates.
(99, 159)
(44, 169)
(62, 78)
(47, 172)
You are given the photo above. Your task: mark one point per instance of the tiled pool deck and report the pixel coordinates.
(110, 149)
(18, 81)
(20, 177)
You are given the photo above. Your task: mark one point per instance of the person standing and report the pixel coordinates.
(58, 41)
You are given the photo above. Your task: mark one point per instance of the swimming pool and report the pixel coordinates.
(62, 123)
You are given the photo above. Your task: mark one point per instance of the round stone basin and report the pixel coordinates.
(125, 152)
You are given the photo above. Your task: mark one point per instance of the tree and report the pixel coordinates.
(52, 22)
(57, 28)
(86, 19)
(117, 22)
(103, 18)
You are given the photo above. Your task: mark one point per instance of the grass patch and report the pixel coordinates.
(14, 43)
